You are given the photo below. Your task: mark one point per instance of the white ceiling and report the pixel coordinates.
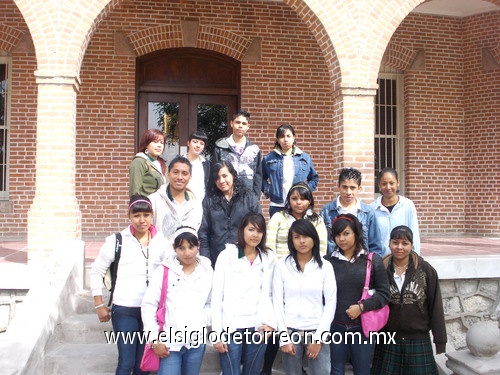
(455, 8)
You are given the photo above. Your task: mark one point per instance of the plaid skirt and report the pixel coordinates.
(406, 357)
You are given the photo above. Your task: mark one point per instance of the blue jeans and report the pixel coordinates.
(246, 352)
(128, 319)
(185, 362)
(360, 352)
(293, 363)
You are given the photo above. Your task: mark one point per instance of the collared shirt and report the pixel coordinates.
(353, 210)
(399, 280)
(241, 291)
(337, 253)
(298, 297)
(197, 182)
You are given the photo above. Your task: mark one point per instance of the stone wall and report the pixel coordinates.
(467, 302)
(470, 287)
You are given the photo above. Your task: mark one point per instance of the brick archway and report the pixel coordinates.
(171, 36)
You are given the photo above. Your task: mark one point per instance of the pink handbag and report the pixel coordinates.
(374, 320)
(150, 361)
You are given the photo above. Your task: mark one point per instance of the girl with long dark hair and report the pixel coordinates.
(241, 298)
(304, 299)
(349, 259)
(225, 204)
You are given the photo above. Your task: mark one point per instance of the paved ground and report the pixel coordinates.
(13, 250)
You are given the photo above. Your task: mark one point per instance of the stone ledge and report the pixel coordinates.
(464, 363)
(466, 267)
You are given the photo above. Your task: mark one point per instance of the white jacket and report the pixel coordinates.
(298, 297)
(131, 277)
(403, 213)
(187, 304)
(241, 292)
(167, 217)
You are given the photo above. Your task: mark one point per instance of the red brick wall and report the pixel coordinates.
(482, 125)
(440, 132)
(452, 114)
(23, 122)
(291, 84)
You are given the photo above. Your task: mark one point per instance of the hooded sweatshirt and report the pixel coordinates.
(187, 305)
(418, 307)
(168, 216)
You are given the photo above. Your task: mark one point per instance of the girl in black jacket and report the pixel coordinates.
(225, 204)
(349, 259)
(416, 308)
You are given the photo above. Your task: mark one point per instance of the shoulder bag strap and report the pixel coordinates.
(163, 297)
(114, 273)
(368, 271)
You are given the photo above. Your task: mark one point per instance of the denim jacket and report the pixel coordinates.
(366, 217)
(272, 173)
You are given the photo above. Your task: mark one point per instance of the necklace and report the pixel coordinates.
(146, 255)
(401, 269)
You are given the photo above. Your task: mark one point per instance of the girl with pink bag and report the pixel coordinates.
(349, 260)
(180, 343)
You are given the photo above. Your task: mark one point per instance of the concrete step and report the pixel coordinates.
(85, 301)
(79, 346)
(81, 359)
(83, 329)
(210, 360)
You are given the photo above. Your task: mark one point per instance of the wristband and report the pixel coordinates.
(98, 306)
(360, 308)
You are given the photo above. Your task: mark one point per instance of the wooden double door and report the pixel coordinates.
(184, 90)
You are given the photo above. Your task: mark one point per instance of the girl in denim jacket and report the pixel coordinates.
(285, 166)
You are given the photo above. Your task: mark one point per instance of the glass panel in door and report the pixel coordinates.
(165, 117)
(212, 114)
(168, 113)
(179, 115)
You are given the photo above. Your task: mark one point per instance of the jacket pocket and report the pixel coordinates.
(272, 165)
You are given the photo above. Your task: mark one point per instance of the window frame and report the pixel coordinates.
(5, 60)
(399, 152)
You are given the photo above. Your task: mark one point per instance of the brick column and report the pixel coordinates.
(358, 135)
(54, 216)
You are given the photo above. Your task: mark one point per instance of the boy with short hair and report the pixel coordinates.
(174, 205)
(243, 154)
(348, 202)
(200, 166)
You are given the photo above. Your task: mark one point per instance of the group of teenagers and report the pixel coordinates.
(263, 288)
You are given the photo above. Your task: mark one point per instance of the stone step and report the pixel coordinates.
(79, 346)
(210, 360)
(83, 329)
(81, 359)
(85, 301)
(95, 359)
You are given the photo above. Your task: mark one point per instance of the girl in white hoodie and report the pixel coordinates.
(242, 312)
(142, 251)
(180, 345)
